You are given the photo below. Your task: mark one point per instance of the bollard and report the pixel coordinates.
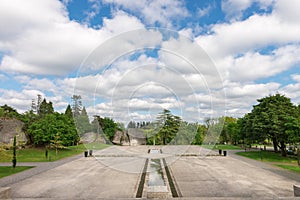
(91, 152)
(296, 190)
(85, 153)
(225, 153)
(220, 151)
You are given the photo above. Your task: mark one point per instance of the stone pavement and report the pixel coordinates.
(228, 177)
(39, 168)
(114, 173)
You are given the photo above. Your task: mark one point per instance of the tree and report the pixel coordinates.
(56, 143)
(82, 122)
(45, 129)
(28, 118)
(45, 108)
(108, 127)
(36, 105)
(271, 118)
(7, 111)
(186, 134)
(131, 124)
(68, 112)
(214, 128)
(230, 132)
(200, 134)
(77, 105)
(167, 126)
(293, 129)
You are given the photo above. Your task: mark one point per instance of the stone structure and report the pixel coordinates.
(5, 193)
(119, 138)
(9, 127)
(91, 137)
(136, 136)
(296, 190)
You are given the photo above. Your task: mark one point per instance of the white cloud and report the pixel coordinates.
(154, 11)
(251, 34)
(288, 10)
(253, 66)
(296, 77)
(292, 91)
(3, 77)
(204, 11)
(250, 91)
(242, 50)
(20, 100)
(137, 84)
(91, 14)
(51, 43)
(234, 8)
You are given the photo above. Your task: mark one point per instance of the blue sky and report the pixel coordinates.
(131, 59)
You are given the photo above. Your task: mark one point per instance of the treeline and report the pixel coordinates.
(170, 129)
(45, 127)
(275, 119)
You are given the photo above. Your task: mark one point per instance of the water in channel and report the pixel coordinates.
(155, 173)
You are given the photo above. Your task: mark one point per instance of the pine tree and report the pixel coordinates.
(77, 105)
(68, 112)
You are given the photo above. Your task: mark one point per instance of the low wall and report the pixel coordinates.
(5, 193)
(296, 190)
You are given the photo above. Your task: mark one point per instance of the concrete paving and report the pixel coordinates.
(115, 173)
(227, 177)
(85, 178)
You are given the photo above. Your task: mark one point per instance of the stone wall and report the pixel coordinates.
(10, 127)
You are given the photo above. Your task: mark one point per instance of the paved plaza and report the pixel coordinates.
(115, 173)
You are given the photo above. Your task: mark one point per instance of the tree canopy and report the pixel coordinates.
(274, 117)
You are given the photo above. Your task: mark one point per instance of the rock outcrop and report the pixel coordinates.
(9, 127)
(136, 136)
(91, 137)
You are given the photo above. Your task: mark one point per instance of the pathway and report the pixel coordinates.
(114, 173)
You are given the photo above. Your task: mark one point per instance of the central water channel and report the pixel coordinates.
(156, 179)
(157, 187)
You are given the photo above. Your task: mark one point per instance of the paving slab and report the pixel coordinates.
(84, 178)
(114, 173)
(221, 176)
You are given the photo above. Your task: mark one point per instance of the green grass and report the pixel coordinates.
(38, 154)
(8, 170)
(268, 156)
(222, 146)
(289, 167)
(93, 146)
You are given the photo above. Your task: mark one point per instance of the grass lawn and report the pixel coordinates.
(268, 156)
(289, 162)
(8, 170)
(38, 154)
(289, 167)
(222, 146)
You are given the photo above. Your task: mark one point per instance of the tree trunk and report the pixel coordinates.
(275, 144)
(283, 149)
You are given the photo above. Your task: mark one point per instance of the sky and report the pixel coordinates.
(129, 60)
